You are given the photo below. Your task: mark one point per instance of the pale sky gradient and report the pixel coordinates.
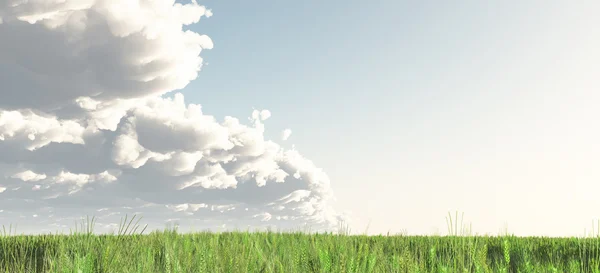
(417, 108)
(412, 109)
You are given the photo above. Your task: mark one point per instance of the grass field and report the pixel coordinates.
(167, 251)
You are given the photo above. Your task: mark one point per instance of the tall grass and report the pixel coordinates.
(168, 251)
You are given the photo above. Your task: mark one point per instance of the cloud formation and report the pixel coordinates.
(86, 128)
(286, 134)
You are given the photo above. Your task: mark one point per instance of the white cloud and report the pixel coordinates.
(101, 50)
(34, 131)
(29, 176)
(99, 138)
(264, 217)
(286, 134)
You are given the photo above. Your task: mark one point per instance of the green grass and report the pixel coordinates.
(168, 251)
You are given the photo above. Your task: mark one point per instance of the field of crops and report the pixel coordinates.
(168, 251)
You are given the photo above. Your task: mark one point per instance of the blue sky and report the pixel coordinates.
(400, 102)
(412, 109)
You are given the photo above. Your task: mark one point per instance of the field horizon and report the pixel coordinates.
(453, 229)
(130, 250)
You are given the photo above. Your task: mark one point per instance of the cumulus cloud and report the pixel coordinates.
(88, 126)
(97, 51)
(286, 134)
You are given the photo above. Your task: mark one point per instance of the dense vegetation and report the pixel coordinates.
(168, 251)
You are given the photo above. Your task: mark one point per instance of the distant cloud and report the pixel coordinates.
(286, 134)
(84, 129)
(29, 176)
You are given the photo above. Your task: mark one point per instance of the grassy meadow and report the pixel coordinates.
(129, 250)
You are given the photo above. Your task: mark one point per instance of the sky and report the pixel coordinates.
(380, 115)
